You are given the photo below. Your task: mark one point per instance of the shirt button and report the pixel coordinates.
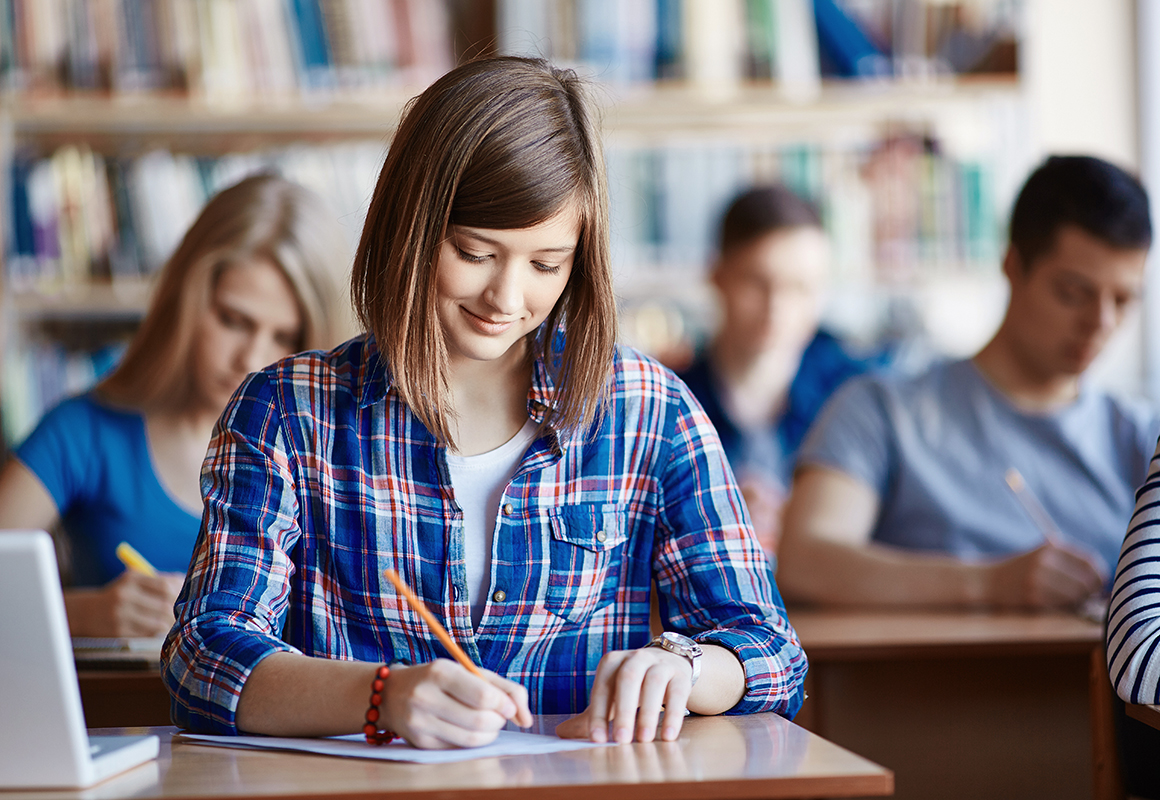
(601, 536)
(507, 509)
(499, 595)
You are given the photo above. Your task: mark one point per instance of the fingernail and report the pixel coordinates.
(669, 734)
(623, 735)
(599, 735)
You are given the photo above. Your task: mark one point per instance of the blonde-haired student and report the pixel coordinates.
(255, 278)
(487, 439)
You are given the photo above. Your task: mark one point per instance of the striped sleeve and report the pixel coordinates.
(1133, 636)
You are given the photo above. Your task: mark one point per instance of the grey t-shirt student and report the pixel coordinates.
(937, 449)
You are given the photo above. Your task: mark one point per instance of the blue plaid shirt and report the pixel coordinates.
(319, 477)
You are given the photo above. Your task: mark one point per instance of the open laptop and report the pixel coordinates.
(43, 742)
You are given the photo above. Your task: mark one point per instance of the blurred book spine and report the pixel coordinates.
(897, 210)
(717, 44)
(223, 50)
(77, 217)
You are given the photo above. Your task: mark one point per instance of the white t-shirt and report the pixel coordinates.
(479, 482)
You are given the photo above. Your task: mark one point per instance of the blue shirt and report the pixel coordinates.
(772, 450)
(94, 460)
(937, 447)
(320, 477)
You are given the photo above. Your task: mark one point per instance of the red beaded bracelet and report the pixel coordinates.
(371, 729)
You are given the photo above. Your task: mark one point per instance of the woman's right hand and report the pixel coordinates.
(131, 604)
(439, 705)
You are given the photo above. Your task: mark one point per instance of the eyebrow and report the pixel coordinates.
(252, 320)
(1088, 284)
(494, 243)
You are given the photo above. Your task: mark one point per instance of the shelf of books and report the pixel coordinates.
(118, 118)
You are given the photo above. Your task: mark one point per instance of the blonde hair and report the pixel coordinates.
(263, 216)
(498, 143)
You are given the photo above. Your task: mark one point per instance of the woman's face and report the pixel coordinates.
(496, 286)
(254, 319)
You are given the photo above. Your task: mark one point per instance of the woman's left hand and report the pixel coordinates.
(633, 688)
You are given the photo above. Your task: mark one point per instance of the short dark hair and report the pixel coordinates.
(763, 210)
(1094, 195)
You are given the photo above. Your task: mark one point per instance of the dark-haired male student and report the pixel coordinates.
(1000, 480)
(769, 368)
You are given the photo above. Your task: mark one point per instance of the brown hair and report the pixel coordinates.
(263, 216)
(498, 143)
(763, 210)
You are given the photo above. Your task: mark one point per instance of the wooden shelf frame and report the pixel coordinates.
(644, 110)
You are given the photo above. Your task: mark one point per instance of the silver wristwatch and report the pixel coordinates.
(682, 646)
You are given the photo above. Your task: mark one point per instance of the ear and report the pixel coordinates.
(715, 272)
(1013, 266)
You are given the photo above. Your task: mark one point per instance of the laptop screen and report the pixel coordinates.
(42, 726)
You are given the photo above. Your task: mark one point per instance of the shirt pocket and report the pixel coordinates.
(585, 553)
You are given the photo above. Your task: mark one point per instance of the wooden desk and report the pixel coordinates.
(123, 698)
(965, 705)
(758, 756)
(1149, 715)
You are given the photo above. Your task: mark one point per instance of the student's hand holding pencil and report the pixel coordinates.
(138, 602)
(132, 604)
(447, 703)
(440, 704)
(1056, 574)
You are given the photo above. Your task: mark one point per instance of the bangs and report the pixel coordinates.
(522, 171)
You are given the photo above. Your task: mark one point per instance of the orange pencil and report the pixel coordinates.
(432, 623)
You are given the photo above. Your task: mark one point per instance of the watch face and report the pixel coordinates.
(681, 643)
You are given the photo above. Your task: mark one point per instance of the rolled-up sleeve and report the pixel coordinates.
(714, 581)
(231, 610)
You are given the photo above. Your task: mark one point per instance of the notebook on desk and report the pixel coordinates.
(143, 653)
(43, 741)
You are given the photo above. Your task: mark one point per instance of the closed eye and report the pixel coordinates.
(470, 257)
(232, 320)
(542, 267)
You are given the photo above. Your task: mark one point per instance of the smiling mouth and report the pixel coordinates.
(485, 325)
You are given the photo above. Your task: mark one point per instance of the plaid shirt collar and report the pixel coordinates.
(373, 381)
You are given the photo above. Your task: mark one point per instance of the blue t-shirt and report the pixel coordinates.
(937, 448)
(94, 460)
(771, 451)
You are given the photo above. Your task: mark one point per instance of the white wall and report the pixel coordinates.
(1079, 70)
(1080, 73)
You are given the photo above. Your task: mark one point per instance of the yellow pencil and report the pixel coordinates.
(134, 560)
(432, 623)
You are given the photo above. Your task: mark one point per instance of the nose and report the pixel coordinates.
(504, 291)
(1110, 314)
(1104, 315)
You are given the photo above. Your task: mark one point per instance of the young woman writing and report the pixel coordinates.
(488, 440)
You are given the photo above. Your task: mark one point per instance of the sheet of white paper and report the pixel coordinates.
(508, 743)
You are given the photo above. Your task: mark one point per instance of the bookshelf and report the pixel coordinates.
(331, 116)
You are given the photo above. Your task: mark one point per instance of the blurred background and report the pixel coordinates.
(910, 122)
